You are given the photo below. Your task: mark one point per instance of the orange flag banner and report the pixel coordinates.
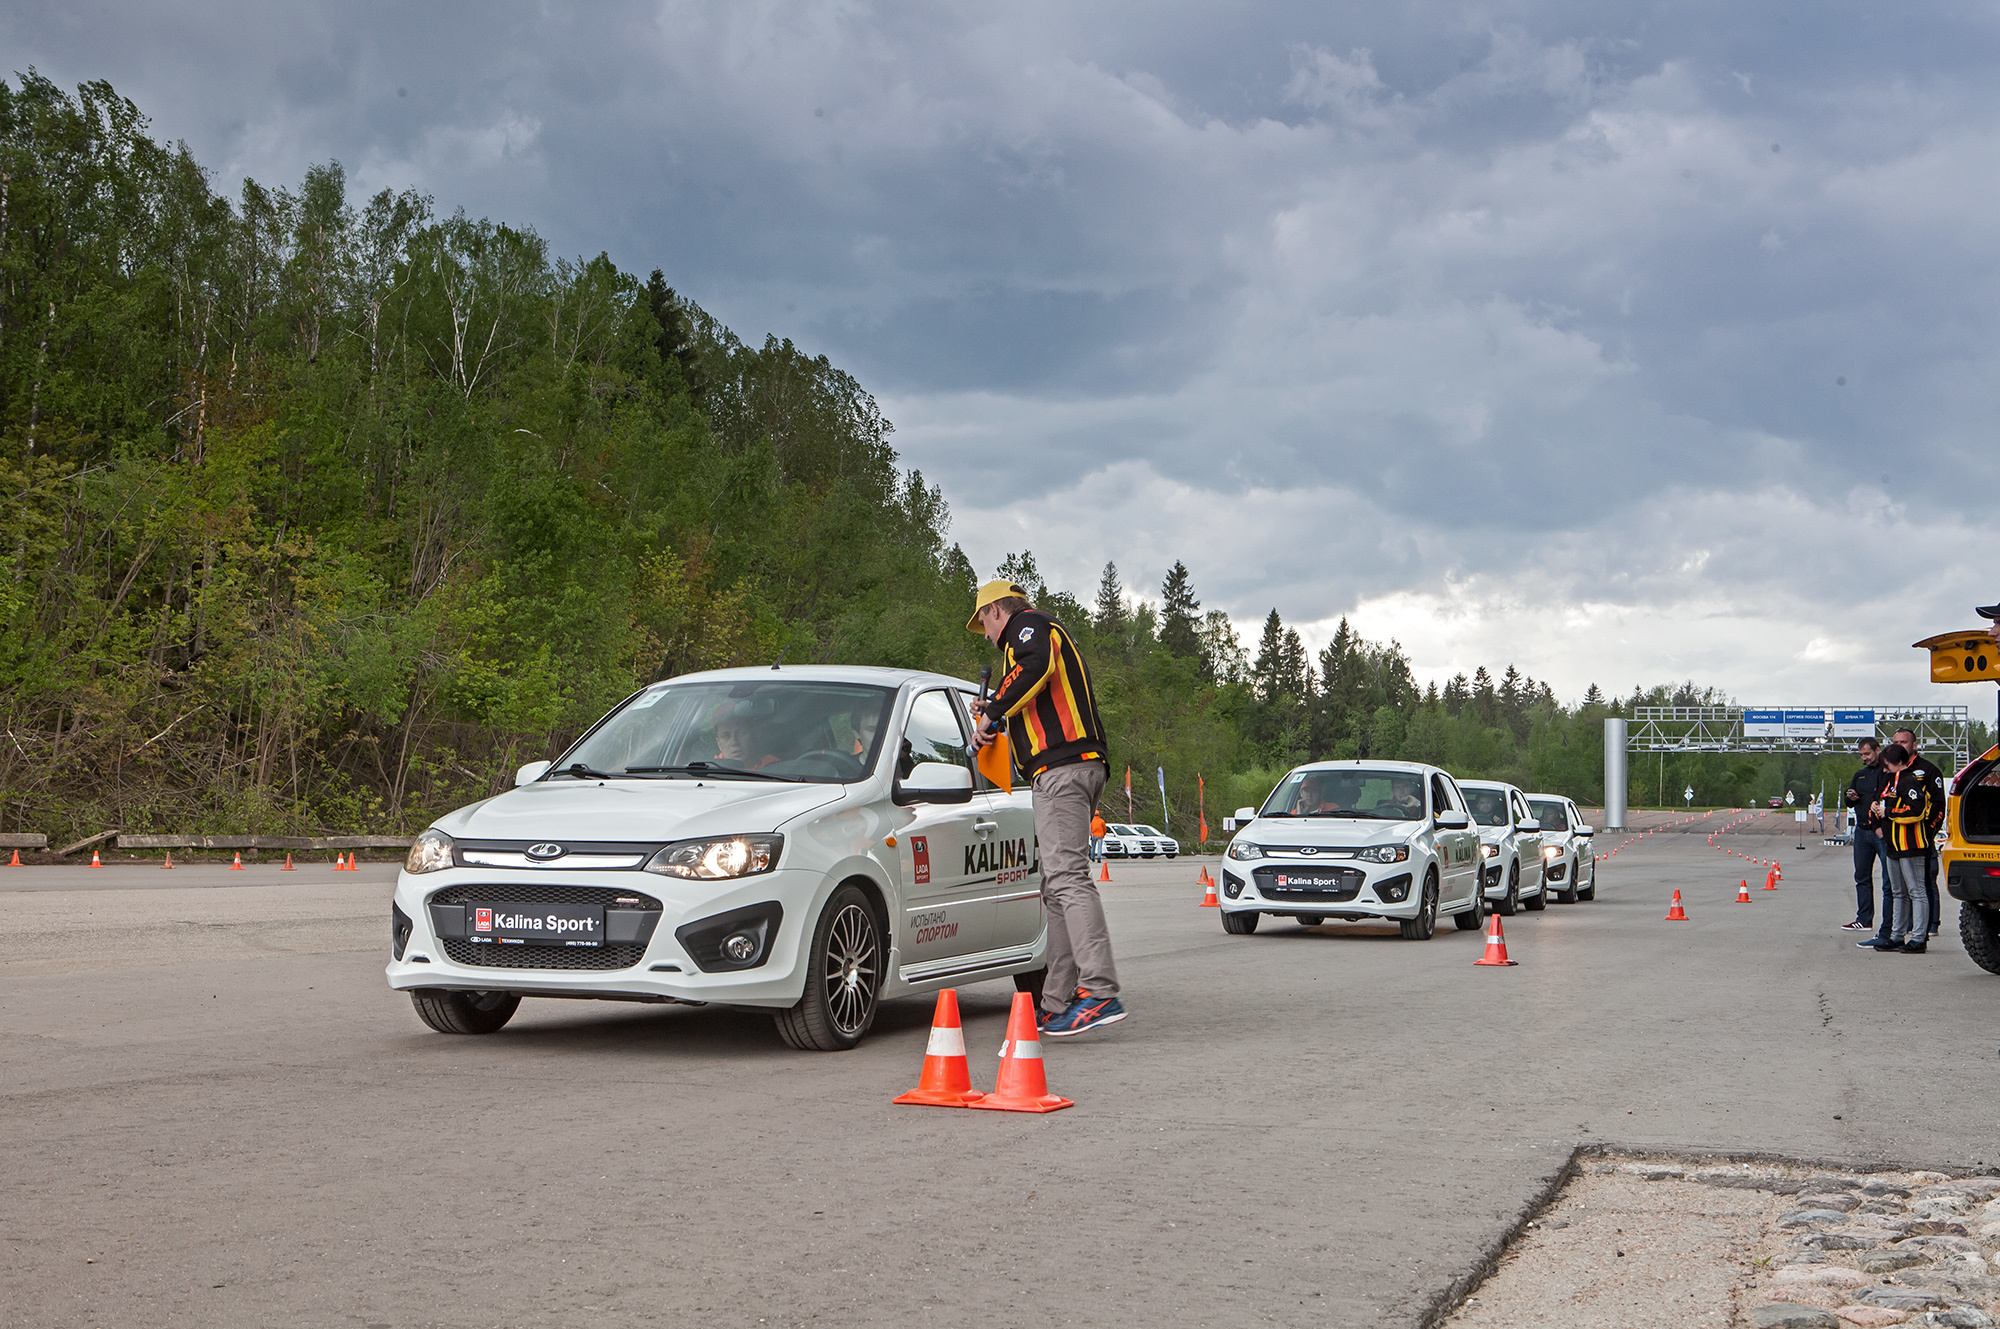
(1201, 804)
(996, 763)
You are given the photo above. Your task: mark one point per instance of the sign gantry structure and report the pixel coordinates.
(1808, 731)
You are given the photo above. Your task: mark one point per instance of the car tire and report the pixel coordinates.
(1470, 919)
(1979, 932)
(843, 977)
(1510, 903)
(1424, 926)
(464, 1012)
(1588, 892)
(1539, 901)
(1308, 920)
(1569, 877)
(1239, 923)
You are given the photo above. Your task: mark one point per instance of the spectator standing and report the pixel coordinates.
(1905, 809)
(1934, 777)
(1097, 833)
(1049, 708)
(1861, 794)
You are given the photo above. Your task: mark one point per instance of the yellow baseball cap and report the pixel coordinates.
(991, 591)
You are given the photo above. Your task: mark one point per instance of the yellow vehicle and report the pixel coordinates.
(1969, 857)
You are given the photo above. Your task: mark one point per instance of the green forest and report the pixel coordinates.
(322, 514)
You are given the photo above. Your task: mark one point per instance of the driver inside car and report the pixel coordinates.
(737, 737)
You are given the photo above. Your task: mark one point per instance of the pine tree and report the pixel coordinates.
(1222, 657)
(1294, 668)
(1268, 672)
(1110, 617)
(1023, 573)
(1594, 697)
(1456, 694)
(1431, 696)
(1484, 704)
(1512, 708)
(1179, 631)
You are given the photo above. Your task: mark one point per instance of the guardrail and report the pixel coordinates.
(295, 843)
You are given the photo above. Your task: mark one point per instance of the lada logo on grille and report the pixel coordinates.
(1309, 851)
(546, 850)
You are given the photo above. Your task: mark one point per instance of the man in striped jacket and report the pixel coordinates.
(1045, 701)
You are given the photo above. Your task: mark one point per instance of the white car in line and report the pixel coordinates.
(1131, 840)
(1356, 840)
(1569, 849)
(812, 841)
(1510, 838)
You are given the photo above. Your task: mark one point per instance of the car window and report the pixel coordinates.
(1117, 829)
(933, 733)
(1520, 808)
(1550, 814)
(791, 729)
(1441, 800)
(1348, 792)
(965, 700)
(1488, 806)
(1148, 830)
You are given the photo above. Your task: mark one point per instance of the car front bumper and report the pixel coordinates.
(662, 970)
(1366, 902)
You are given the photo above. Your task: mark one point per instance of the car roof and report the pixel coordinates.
(1486, 784)
(1367, 764)
(877, 675)
(1554, 798)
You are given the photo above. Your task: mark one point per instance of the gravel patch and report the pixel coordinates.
(1646, 1242)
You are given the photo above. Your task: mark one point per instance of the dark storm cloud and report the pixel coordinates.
(1597, 310)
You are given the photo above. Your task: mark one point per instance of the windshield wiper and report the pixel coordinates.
(1346, 812)
(578, 770)
(704, 769)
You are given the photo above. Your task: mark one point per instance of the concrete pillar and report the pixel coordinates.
(1614, 774)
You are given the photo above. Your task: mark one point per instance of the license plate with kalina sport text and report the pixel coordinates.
(536, 924)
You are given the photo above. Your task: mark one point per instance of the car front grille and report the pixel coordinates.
(1315, 885)
(488, 955)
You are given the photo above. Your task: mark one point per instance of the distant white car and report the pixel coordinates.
(1510, 839)
(1131, 840)
(1569, 853)
(1356, 840)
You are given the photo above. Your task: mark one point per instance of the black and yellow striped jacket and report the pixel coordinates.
(1907, 805)
(1046, 696)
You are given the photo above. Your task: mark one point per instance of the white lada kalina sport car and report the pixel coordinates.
(1510, 839)
(811, 841)
(1569, 848)
(1356, 840)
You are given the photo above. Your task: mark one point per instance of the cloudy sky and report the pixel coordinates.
(1628, 343)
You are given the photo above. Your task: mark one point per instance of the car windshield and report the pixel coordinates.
(821, 733)
(1488, 806)
(1389, 795)
(1123, 830)
(1549, 813)
(1148, 830)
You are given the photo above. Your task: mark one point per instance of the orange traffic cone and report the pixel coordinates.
(1208, 900)
(1104, 872)
(1676, 914)
(288, 865)
(946, 1081)
(1022, 1086)
(17, 859)
(340, 862)
(1496, 946)
(95, 861)
(354, 861)
(168, 866)
(1771, 880)
(1743, 892)
(237, 866)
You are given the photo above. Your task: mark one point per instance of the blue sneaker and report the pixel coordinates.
(1085, 1013)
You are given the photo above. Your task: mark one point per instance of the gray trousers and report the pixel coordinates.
(1079, 940)
(1913, 911)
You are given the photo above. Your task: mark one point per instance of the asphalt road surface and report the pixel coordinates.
(214, 1113)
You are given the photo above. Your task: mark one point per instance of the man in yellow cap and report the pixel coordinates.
(1044, 699)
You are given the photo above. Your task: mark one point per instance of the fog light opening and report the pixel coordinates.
(739, 946)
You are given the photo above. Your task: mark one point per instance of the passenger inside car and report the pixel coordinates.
(1488, 806)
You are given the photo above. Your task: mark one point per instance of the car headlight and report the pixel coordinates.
(1243, 851)
(1384, 853)
(430, 853)
(718, 859)
(1551, 850)
(1490, 850)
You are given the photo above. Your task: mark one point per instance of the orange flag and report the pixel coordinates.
(996, 762)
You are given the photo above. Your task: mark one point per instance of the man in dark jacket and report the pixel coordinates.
(1861, 795)
(1933, 778)
(1045, 700)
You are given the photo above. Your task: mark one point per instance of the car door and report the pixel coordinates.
(1586, 848)
(1458, 849)
(1016, 883)
(1530, 845)
(947, 894)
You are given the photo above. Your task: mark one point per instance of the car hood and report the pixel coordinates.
(636, 810)
(1330, 831)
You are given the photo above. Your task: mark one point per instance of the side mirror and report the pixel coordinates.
(530, 773)
(1586, 830)
(1244, 816)
(1528, 827)
(935, 782)
(1453, 821)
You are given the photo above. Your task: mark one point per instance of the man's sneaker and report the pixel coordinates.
(1085, 1013)
(1911, 948)
(1889, 947)
(1043, 1017)
(1874, 943)
(1857, 926)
